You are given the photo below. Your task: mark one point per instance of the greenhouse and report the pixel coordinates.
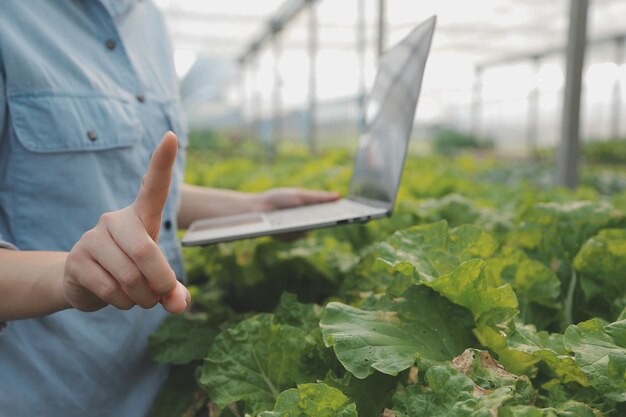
(313, 208)
(507, 87)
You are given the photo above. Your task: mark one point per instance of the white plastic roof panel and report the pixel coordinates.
(501, 36)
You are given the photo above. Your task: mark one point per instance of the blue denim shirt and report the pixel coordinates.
(87, 89)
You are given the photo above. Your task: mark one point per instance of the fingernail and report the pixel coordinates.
(188, 301)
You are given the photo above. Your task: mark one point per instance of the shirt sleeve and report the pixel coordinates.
(3, 112)
(3, 99)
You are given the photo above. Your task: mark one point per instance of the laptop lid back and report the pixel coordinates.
(389, 120)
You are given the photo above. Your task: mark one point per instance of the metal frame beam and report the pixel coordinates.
(286, 13)
(311, 133)
(569, 149)
(277, 95)
(617, 90)
(361, 48)
(243, 101)
(255, 99)
(547, 52)
(381, 44)
(477, 95)
(532, 126)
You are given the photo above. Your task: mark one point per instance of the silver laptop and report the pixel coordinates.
(379, 160)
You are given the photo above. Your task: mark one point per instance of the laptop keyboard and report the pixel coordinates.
(317, 213)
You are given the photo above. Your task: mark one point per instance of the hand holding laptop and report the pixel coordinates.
(378, 163)
(282, 198)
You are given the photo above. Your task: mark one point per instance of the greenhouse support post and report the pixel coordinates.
(532, 127)
(277, 116)
(243, 100)
(617, 88)
(382, 27)
(255, 98)
(312, 53)
(361, 51)
(476, 102)
(568, 152)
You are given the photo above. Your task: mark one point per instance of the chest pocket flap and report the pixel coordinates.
(48, 123)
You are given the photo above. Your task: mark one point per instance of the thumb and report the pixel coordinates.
(156, 183)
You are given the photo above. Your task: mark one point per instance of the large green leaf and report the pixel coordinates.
(554, 232)
(475, 385)
(293, 313)
(557, 230)
(255, 361)
(370, 394)
(367, 276)
(536, 286)
(252, 274)
(312, 400)
(450, 392)
(181, 339)
(515, 361)
(554, 393)
(449, 261)
(421, 324)
(431, 250)
(601, 355)
(523, 348)
(617, 329)
(249, 276)
(307, 317)
(601, 263)
(468, 286)
(550, 349)
(328, 255)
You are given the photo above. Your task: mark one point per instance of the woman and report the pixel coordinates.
(87, 89)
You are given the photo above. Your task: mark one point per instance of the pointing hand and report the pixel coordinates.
(118, 262)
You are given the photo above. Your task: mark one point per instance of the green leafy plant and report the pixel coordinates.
(479, 297)
(448, 142)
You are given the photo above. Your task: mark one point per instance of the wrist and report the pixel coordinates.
(55, 281)
(258, 202)
(31, 284)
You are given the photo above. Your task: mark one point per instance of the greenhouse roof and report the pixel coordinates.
(496, 68)
(483, 31)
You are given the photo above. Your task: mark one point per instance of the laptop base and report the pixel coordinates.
(276, 222)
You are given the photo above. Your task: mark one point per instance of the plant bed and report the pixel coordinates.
(477, 298)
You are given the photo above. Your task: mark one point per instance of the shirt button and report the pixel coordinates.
(92, 136)
(167, 225)
(110, 44)
(141, 98)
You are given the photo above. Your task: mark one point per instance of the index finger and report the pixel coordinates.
(132, 238)
(156, 183)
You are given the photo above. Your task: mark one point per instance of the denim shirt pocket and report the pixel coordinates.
(52, 122)
(74, 157)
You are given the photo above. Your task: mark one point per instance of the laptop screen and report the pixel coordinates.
(389, 119)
